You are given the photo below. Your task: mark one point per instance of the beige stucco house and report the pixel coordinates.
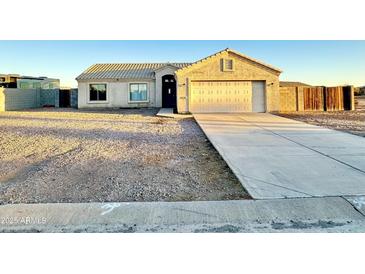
(227, 81)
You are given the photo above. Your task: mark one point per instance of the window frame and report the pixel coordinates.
(98, 101)
(224, 68)
(37, 85)
(129, 92)
(25, 85)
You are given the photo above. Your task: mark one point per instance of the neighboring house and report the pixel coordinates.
(28, 82)
(227, 81)
(22, 92)
(8, 80)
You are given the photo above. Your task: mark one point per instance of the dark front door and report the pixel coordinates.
(168, 91)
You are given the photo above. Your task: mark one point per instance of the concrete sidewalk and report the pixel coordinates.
(275, 157)
(166, 112)
(169, 113)
(332, 214)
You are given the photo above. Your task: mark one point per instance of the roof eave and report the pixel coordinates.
(255, 60)
(237, 53)
(114, 79)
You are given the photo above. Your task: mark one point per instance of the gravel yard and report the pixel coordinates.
(65, 155)
(347, 121)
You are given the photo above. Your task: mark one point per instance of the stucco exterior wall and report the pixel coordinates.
(211, 69)
(117, 94)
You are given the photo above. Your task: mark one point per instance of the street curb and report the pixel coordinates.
(277, 215)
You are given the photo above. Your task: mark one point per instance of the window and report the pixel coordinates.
(97, 92)
(138, 93)
(36, 85)
(24, 85)
(227, 65)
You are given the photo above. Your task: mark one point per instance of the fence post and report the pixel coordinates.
(2, 99)
(352, 98)
(324, 98)
(300, 98)
(296, 99)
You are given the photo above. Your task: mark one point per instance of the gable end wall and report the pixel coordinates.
(244, 69)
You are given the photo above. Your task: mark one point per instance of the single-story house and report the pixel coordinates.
(227, 81)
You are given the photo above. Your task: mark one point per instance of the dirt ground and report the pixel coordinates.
(64, 155)
(347, 121)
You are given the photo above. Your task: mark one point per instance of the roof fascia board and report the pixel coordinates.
(116, 79)
(206, 59)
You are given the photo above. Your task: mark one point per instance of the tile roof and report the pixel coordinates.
(146, 70)
(126, 71)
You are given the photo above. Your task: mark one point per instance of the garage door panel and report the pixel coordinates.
(223, 96)
(258, 96)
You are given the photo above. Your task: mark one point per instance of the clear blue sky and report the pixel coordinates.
(314, 62)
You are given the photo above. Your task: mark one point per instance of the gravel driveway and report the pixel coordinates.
(65, 155)
(347, 121)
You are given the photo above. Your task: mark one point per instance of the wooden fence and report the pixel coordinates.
(304, 98)
(334, 98)
(313, 98)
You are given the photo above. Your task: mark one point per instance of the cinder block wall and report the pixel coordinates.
(49, 97)
(15, 99)
(74, 97)
(288, 99)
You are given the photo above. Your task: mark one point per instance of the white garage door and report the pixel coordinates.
(224, 96)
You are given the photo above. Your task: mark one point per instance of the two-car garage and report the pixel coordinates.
(227, 82)
(227, 96)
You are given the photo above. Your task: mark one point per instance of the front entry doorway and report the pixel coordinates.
(169, 92)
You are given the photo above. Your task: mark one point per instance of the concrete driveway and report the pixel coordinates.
(275, 157)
